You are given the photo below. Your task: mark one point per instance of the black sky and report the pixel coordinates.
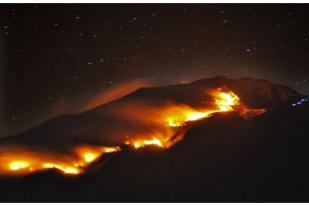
(60, 56)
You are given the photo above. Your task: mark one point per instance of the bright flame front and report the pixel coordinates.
(139, 143)
(177, 116)
(18, 165)
(226, 100)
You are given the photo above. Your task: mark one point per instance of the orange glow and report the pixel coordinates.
(173, 117)
(89, 157)
(64, 169)
(161, 138)
(91, 153)
(21, 160)
(226, 100)
(143, 143)
(178, 116)
(165, 126)
(18, 165)
(139, 143)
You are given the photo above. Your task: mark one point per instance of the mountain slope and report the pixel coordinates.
(222, 159)
(106, 123)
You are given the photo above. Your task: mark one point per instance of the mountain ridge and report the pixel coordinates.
(191, 94)
(223, 158)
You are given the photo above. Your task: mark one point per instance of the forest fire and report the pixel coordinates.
(167, 125)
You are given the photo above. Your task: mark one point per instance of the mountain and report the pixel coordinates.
(104, 125)
(223, 158)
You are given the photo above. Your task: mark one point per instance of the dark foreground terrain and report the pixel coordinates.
(222, 159)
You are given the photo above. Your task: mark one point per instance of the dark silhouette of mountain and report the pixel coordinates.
(223, 158)
(101, 125)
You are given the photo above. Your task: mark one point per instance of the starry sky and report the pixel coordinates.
(54, 58)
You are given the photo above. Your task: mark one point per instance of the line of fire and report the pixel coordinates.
(171, 123)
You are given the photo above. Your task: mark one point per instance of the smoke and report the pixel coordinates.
(116, 92)
(135, 122)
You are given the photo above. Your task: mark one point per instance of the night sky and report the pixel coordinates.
(56, 58)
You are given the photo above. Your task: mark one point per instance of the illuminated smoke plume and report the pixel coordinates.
(116, 92)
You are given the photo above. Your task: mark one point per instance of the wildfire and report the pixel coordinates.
(167, 126)
(89, 154)
(159, 139)
(145, 142)
(177, 116)
(23, 160)
(17, 165)
(64, 169)
(226, 100)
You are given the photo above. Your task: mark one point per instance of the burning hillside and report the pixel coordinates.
(21, 160)
(172, 120)
(164, 125)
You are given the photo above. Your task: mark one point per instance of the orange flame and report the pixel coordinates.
(145, 142)
(89, 154)
(226, 100)
(179, 115)
(20, 160)
(168, 125)
(17, 165)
